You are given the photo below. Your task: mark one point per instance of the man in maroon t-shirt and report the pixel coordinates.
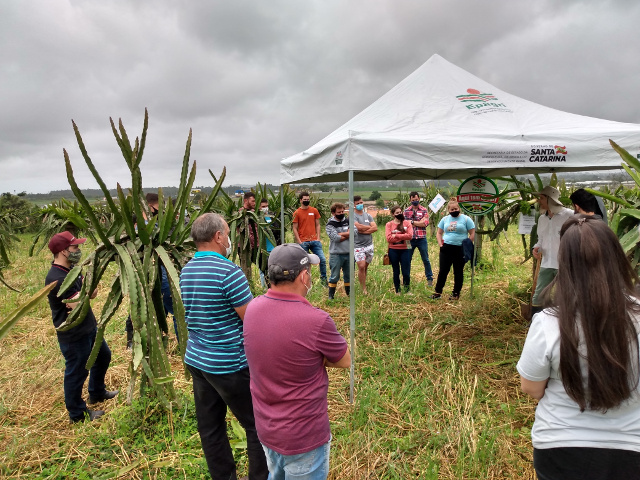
(288, 344)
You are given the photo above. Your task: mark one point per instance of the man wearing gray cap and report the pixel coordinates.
(288, 344)
(552, 216)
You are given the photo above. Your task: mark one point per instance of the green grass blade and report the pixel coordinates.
(94, 172)
(97, 344)
(630, 239)
(124, 148)
(626, 156)
(609, 197)
(83, 201)
(15, 315)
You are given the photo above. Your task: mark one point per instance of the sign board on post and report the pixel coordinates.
(478, 195)
(525, 224)
(436, 203)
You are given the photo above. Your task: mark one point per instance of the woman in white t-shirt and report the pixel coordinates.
(580, 359)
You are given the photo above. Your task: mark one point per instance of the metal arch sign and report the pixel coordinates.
(478, 195)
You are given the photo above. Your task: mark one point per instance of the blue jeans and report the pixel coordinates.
(313, 465)
(339, 261)
(400, 260)
(421, 245)
(315, 247)
(75, 355)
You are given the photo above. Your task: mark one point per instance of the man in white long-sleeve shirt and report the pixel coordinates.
(552, 217)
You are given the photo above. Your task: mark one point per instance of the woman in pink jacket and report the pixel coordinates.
(399, 233)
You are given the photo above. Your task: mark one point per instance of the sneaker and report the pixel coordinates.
(101, 398)
(454, 297)
(429, 282)
(435, 296)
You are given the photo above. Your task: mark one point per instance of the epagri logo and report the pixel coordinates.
(548, 153)
(476, 100)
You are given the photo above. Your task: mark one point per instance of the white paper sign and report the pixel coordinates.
(525, 224)
(437, 203)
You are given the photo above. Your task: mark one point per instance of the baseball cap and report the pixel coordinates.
(63, 240)
(553, 194)
(291, 258)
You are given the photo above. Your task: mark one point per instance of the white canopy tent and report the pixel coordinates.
(441, 122)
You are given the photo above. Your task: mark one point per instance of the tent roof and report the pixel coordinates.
(441, 122)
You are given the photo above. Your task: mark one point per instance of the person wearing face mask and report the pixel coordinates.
(399, 233)
(552, 216)
(452, 230)
(76, 343)
(337, 229)
(363, 241)
(289, 346)
(419, 218)
(306, 231)
(267, 245)
(215, 294)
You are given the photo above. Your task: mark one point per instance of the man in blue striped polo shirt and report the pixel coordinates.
(215, 294)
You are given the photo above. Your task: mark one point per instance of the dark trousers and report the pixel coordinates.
(75, 355)
(213, 393)
(586, 463)
(451, 255)
(400, 260)
(423, 248)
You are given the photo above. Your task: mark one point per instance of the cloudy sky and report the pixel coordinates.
(258, 81)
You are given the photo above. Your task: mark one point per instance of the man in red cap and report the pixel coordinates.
(76, 343)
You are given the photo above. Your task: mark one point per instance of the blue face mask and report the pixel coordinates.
(415, 203)
(360, 207)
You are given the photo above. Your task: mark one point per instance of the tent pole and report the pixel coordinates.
(352, 290)
(473, 260)
(282, 240)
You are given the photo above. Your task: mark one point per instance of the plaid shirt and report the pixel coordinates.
(417, 216)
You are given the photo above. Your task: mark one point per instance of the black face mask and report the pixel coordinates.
(455, 214)
(154, 211)
(340, 217)
(400, 216)
(306, 203)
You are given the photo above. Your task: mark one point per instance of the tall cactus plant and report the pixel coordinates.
(7, 237)
(625, 220)
(138, 250)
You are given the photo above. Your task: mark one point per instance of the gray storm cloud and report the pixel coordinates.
(259, 81)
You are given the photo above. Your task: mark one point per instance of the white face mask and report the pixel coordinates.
(229, 248)
(310, 284)
(265, 210)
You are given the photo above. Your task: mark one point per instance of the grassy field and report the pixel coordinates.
(436, 394)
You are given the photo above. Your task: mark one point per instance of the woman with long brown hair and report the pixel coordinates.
(581, 361)
(399, 233)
